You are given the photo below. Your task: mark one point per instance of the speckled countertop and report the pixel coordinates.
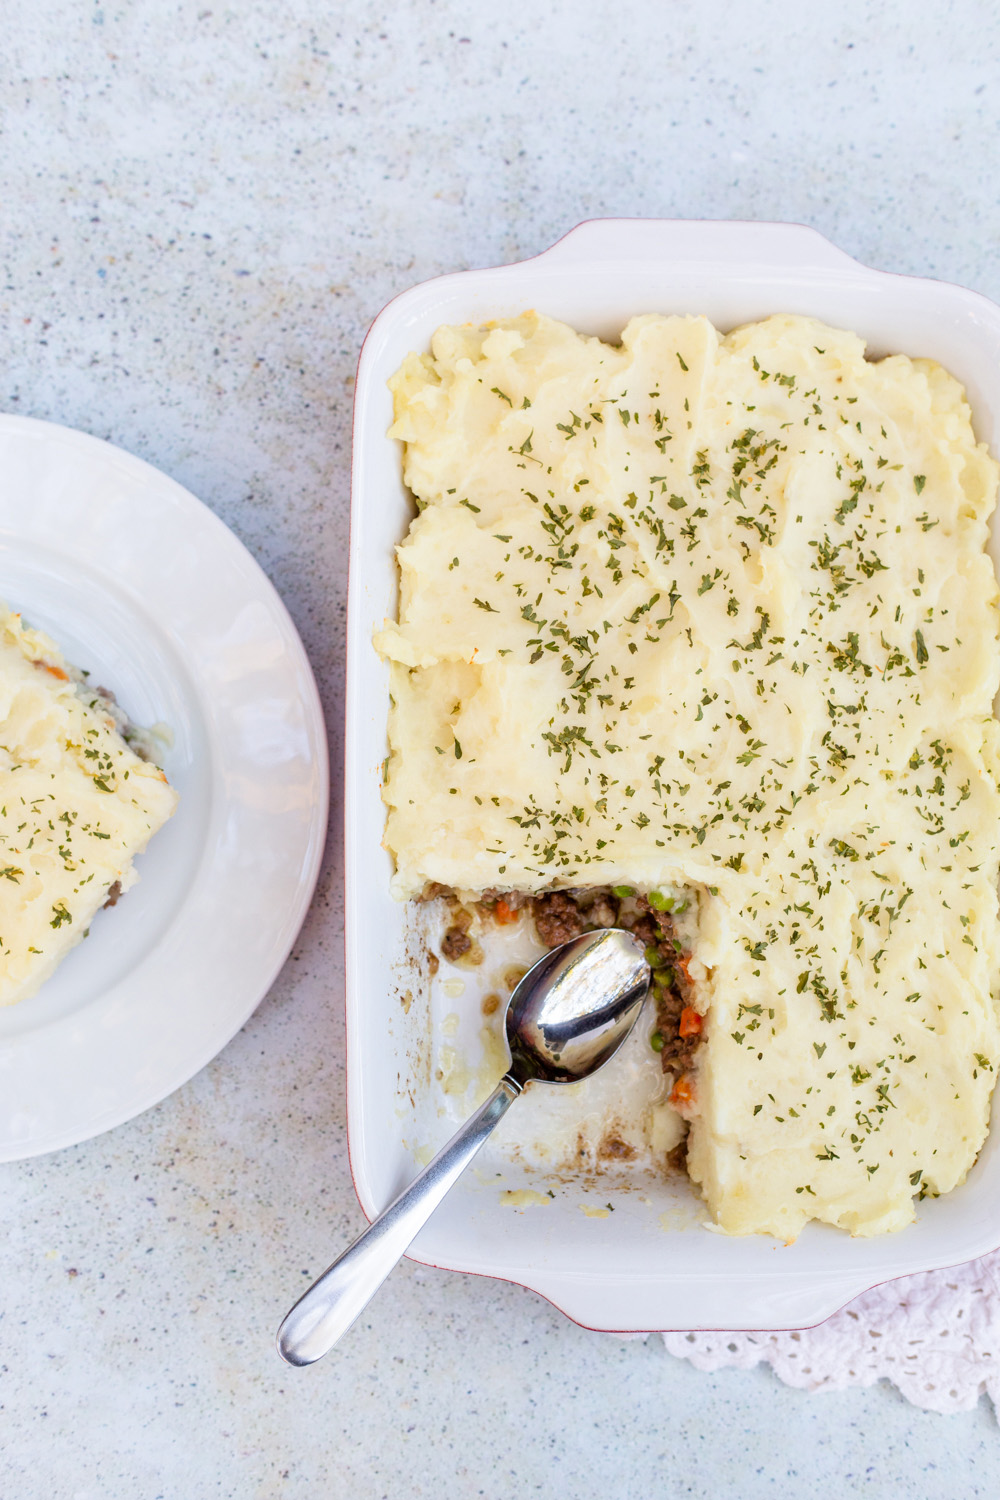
(203, 208)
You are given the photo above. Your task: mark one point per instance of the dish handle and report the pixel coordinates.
(743, 243)
(692, 1303)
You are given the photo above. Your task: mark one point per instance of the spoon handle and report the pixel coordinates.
(344, 1290)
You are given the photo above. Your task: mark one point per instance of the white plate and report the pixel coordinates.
(650, 1263)
(144, 587)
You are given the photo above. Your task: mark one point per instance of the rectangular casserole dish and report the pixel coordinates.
(649, 1262)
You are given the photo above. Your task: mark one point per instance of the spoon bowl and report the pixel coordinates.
(566, 1018)
(574, 1008)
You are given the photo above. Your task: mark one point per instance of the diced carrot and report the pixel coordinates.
(503, 913)
(56, 672)
(691, 1022)
(683, 1090)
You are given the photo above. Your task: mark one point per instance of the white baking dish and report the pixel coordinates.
(651, 1263)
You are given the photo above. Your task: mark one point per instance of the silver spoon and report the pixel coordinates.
(567, 1018)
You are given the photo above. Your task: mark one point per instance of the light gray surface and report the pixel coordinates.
(204, 208)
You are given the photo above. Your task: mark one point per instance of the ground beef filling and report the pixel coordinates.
(561, 915)
(456, 941)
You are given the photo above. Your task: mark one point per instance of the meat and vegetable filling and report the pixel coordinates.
(558, 916)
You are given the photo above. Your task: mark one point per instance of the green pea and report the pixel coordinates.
(621, 891)
(654, 957)
(656, 1041)
(659, 902)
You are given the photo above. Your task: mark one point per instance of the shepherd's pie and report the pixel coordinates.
(709, 619)
(76, 805)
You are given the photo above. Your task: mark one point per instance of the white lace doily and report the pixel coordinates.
(936, 1337)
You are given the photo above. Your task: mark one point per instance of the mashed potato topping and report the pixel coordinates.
(715, 613)
(76, 804)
